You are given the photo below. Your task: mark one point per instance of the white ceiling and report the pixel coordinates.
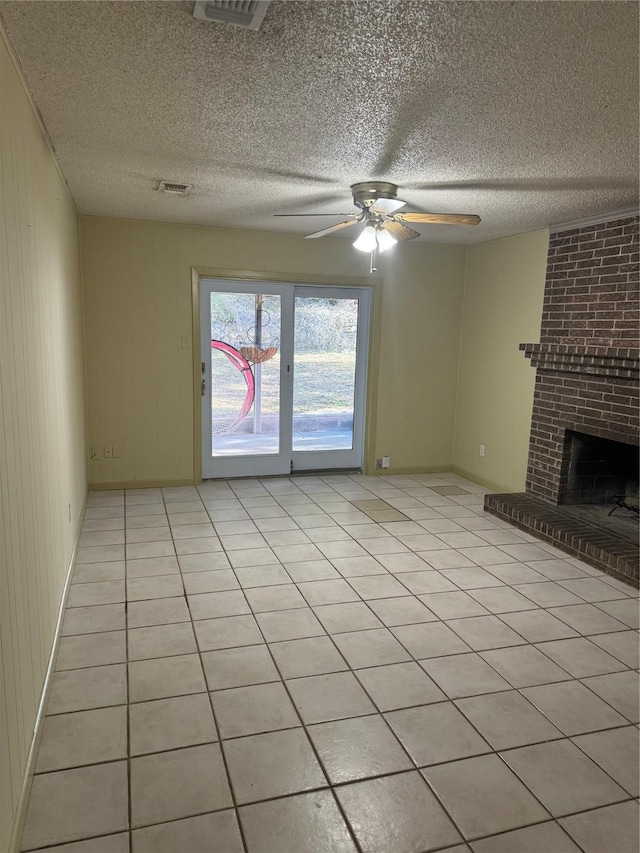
(525, 113)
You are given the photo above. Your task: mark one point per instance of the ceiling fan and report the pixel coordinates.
(384, 226)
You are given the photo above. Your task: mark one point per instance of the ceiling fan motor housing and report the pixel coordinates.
(365, 193)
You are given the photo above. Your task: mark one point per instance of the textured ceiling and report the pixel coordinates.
(525, 113)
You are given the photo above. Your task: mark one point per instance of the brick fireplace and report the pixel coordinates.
(587, 366)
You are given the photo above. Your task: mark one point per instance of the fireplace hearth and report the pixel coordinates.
(585, 428)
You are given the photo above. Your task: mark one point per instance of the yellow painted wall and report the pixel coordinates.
(504, 287)
(42, 419)
(137, 295)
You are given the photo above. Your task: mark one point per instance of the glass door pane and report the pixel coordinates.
(245, 374)
(324, 373)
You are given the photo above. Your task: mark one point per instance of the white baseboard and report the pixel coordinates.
(23, 802)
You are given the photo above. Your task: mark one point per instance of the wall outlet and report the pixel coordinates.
(482, 450)
(386, 462)
(94, 453)
(378, 464)
(108, 451)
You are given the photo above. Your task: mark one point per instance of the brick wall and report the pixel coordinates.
(587, 359)
(591, 291)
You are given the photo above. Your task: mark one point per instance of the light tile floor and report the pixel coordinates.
(292, 666)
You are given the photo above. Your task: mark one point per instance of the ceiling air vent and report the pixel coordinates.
(240, 13)
(173, 188)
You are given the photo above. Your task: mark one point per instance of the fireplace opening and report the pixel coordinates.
(601, 471)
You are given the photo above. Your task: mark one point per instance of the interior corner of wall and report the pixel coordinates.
(459, 368)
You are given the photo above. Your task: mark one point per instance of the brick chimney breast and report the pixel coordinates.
(587, 383)
(588, 357)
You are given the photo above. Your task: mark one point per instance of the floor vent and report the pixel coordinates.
(173, 188)
(241, 13)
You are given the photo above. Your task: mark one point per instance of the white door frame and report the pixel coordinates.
(373, 283)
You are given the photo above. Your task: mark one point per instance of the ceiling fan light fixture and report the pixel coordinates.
(385, 240)
(383, 227)
(367, 241)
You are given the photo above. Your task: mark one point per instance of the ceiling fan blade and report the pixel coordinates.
(387, 205)
(332, 228)
(439, 218)
(399, 231)
(353, 215)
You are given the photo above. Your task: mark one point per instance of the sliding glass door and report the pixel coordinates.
(283, 377)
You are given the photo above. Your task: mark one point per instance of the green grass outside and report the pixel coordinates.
(323, 384)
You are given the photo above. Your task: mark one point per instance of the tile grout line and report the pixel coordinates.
(126, 618)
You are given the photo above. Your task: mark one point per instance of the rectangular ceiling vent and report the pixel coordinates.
(240, 13)
(172, 188)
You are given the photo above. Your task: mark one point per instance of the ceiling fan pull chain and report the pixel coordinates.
(372, 265)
